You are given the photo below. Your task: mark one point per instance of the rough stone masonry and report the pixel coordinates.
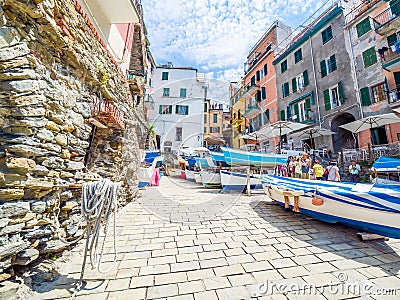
(54, 68)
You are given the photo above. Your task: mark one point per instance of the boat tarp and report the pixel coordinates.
(387, 164)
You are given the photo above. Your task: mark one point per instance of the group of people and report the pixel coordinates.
(303, 167)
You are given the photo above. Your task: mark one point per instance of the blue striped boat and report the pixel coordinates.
(235, 157)
(368, 207)
(238, 181)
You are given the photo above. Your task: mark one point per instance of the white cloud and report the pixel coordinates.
(215, 36)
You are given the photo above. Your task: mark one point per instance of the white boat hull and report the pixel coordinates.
(210, 179)
(238, 181)
(190, 175)
(357, 209)
(197, 177)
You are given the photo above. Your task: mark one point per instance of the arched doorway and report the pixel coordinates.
(343, 138)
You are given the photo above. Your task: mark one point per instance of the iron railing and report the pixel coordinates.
(370, 154)
(394, 95)
(387, 15)
(359, 10)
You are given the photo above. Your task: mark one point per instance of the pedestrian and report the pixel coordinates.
(297, 168)
(333, 171)
(292, 166)
(289, 173)
(354, 170)
(305, 166)
(318, 170)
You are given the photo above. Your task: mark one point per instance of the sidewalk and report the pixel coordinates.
(232, 245)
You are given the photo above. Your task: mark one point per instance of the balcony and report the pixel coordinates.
(136, 83)
(116, 12)
(105, 113)
(360, 10)
(149, 102)
(391, 60)
(394, 97)
(252, 110)
(249, 90)
(388, 19)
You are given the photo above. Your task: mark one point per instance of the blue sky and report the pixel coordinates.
(215, 36)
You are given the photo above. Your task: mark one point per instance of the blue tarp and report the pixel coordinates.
(150, 156)
(387, 164)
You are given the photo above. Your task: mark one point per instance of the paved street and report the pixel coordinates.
(229, 247)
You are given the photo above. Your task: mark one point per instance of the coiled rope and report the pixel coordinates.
(99, 203)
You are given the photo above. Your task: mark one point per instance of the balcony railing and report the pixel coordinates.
(391, 60)
(249, 89)
(387, 15)
(359, 10)
(252, 109)
(107, 113)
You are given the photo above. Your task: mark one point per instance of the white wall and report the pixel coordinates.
(193, 123)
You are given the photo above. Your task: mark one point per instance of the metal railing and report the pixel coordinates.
(387, 15)
(390, 55)
(359, 10)
(372, 153)
(394, 95)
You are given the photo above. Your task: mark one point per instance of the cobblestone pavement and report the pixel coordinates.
(237, 247)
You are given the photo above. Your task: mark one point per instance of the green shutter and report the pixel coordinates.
(177, 109)
(267, 115)
(365, 96)
(340, 88)
(327, 100)
(263, 92)
(363, 27)
(288, 113)
(160, 109)
(308, 104)
(186, 110)
(170, 109)
(305, 76)
(369, 57)
(332, 61)
(205, 107)
(282, 115)
(294, 85)
(323, 69)
(296, 110)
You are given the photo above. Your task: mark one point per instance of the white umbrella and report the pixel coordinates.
(201, 149)
(248, 137)
(312, 132)
(371, 122)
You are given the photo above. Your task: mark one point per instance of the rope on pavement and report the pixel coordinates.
(99, 205)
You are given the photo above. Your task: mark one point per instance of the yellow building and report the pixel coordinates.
(237, 110)
(216, 124)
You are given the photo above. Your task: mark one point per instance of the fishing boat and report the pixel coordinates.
(150, 155)
(238, 181)
(197, 177)
(386, 170)
(190, 175)
(210, 178)
(369, 207)
(249, 158)
(145, 173)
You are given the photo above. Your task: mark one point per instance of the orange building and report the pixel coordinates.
(259, 83)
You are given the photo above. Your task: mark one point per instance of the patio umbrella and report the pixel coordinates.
(371, 122)
(281, 128)
(312, 132)
(248, 137)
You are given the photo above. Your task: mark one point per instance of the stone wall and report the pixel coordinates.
(52, 66)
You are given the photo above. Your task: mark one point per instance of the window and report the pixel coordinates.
(369, 57)
(363, 27)
(379, 93)
(365, 96)
(285, 89)
(257, 96)
(301, 110)
(263, 93)
(298, 56)
(299, 82)
(215, 129)
(267, 116)
(283, 115)
(178, 135)
(165, 109)
(166, 92)
(265, 69)
(215, 118)
(182, 109)
(258, 75)
(283, 66)
(327, 35)
(205, 107)
(328, 66)
(333, 97)
(164, 76)
(182, 93)
(253, 80)
(205, 118)
(392, 39)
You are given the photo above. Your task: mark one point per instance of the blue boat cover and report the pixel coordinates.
(387, 164)
(150, 156)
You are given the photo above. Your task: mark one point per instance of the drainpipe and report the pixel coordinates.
(315, 82)
(353, 62)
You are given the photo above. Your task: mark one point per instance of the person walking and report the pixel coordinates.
(305, 162)
(318, 170)
(297, 168)
(333, 171)
(354, 170)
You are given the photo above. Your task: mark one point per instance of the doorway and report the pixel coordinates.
(379, 136)
(343, 138)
